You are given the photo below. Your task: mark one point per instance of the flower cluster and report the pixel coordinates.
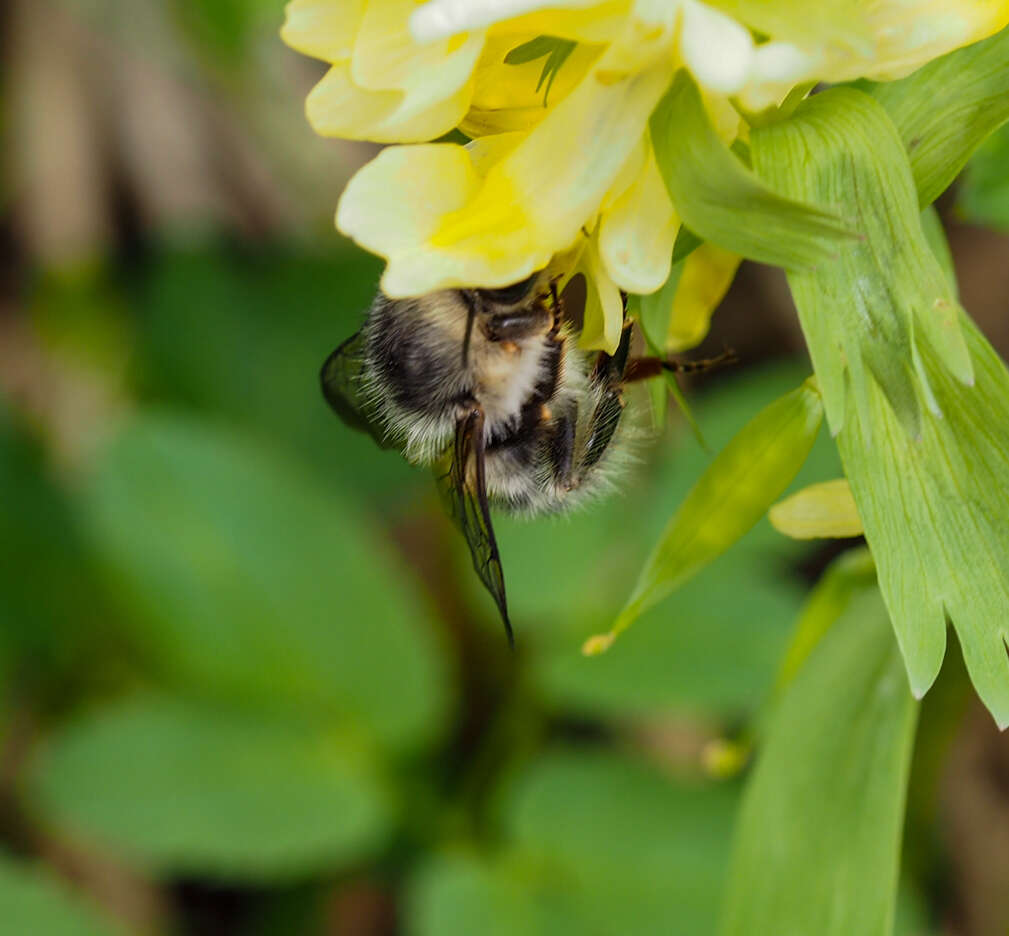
(556, 98)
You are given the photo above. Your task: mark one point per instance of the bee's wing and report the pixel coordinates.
(465, 492)
(342, 379)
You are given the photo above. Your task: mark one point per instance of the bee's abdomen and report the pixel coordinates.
(418, 371)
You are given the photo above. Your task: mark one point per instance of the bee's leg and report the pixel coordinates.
(560, 447)
(610, 368)
(556, 308)
(603, 425)
(643, 368)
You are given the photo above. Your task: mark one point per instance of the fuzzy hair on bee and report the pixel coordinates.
(487, 386)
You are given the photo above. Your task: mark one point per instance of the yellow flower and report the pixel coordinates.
(383, 85)
(562, 160)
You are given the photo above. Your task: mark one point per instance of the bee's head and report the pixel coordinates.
(494, 300)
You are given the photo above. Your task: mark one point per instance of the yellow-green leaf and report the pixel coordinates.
(818, 837)
(848, 575)
(728, 499)
(819, 511)
(722, 201)
(946, 109)
(889, 340)
(936, 515)
(866, 316)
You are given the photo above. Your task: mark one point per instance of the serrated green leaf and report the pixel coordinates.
(729, 498)
(724, 202)
(983, 195)
(944, 110)
(868, 315)
(818, 837)
(34, 902)
(934, 502)
(250, 580)
(190, 788)
(936, 515)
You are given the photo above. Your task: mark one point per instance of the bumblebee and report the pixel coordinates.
(487, 385)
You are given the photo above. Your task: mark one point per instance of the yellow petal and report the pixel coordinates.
(323, 29)
(505, 97)
(880, 39)
(380, 208)
(391, 89)
(637, 233)
(338, 107)
(707, 274)
(604, 306)
(554, 181)
(717, 49)
(386, 55)
(647, 34)
(824, 510)
(581, 20)
(395, 204)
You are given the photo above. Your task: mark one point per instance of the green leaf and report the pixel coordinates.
(594, 844)
(35, 902)
(212, 324)
(936, 515)
(926, 454)
(945, 109)
(935, 236)
(983, 196)
(654, 311)
(194, 789)
(724, 202)
(818, 839)
(847, 576)
(53, 612)
(868, 316)
(747, 476)
(248, 579)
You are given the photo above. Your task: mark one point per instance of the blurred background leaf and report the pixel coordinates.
(34, 902)
(190, 788)
(227, 553)
(984, 194)
(593, 843)
(817, 847)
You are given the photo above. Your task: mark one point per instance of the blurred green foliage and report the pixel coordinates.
(984, 194)
(254, 653)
